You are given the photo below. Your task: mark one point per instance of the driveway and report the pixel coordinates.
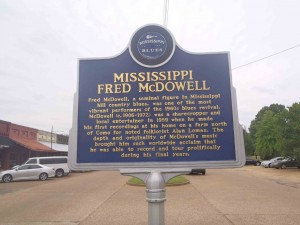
(248, 195)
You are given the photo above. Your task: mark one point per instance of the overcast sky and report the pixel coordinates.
(41, 41)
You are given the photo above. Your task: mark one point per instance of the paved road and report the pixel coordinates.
(249, 195)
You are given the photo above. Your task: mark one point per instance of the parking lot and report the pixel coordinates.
(289, 176)
(248, 195)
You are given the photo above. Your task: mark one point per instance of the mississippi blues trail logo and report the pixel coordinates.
(152, 46)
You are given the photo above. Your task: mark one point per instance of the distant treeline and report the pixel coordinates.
(275, 131)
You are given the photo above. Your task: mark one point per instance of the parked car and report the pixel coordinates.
(198, 171)
(288, 162)
(267, 163)
(250, 161)
(27, 172)
(59, 163)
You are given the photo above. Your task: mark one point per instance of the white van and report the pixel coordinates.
(59, 163)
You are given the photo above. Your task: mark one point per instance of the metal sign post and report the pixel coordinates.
(152, 111)
(155, 181)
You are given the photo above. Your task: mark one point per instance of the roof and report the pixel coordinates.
(31, 144)
(57, 147)
(5, 142)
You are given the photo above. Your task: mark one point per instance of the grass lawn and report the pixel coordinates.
(179, 180)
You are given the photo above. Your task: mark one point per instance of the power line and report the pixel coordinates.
(277, 53)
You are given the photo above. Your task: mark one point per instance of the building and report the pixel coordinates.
(62, 139)
(46, 136)
(18, 143)
(55, 141)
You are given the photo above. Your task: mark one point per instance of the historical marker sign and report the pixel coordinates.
(155, 106)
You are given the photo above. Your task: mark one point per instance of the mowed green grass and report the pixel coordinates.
(179, 180)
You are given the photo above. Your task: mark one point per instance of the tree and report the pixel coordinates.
(249, 145)
(268, 136)
(291, 132)
(256, 125)
(275, 108)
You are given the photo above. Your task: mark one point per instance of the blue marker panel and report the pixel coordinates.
(173, 113)
(155, 106)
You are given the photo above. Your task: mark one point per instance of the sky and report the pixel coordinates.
(41, 42)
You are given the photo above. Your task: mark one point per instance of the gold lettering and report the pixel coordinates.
(114, 88)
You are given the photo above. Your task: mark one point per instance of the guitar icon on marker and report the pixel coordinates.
(150, 36)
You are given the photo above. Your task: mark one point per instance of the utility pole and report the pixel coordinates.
(51, 136)
(166, 9)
